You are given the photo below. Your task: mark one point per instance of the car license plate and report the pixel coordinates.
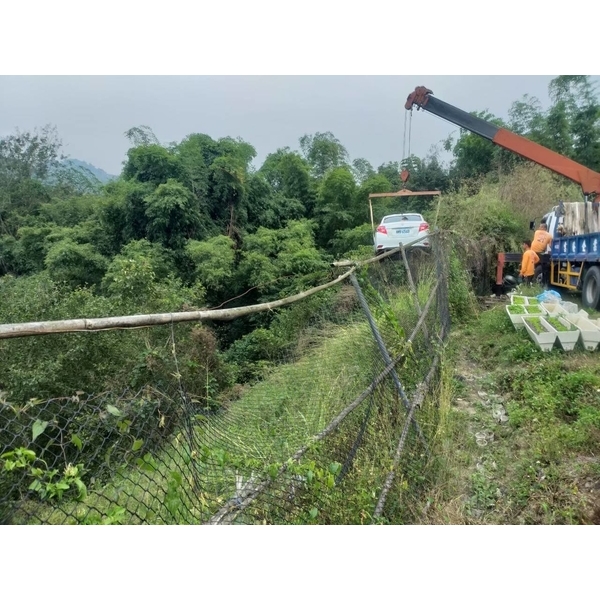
(402, 231)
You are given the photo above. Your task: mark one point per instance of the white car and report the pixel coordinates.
(404, 228)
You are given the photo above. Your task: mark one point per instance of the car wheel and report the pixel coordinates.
(590, 291)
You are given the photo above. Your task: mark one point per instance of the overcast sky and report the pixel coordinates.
(365, 113)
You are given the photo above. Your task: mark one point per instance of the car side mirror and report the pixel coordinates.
(531, 225)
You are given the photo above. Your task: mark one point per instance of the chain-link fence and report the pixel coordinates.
(334, 426)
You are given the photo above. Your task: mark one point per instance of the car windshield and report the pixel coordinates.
(402, 218)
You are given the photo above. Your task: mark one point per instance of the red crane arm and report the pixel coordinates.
(588, 180)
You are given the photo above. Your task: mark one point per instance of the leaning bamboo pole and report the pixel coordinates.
(15, 330)
(226, 314)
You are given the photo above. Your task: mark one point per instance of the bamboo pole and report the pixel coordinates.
(227, 314)
(16, 330)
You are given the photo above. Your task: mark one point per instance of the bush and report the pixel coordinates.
(349, 240)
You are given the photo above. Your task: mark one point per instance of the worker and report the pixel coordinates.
(541, 245)
(528, 263)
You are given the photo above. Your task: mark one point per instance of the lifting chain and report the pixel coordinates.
(405, 175)
(404, 136)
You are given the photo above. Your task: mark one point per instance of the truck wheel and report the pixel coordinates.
(590, 291)
(538, 276)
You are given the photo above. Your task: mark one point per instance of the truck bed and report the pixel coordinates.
(577, 247)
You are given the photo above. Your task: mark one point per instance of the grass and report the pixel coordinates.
(541, 465)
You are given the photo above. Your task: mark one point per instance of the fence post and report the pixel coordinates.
(386, 356)
(413, 289)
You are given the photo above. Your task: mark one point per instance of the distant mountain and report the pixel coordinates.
(101, 175)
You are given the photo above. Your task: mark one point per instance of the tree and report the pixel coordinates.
(142, 135)
(160, 258)
(131, 279)
(289, 174)
(336, 204)
(71, 179)
(133, 274)
(475, 156)
(558, 136)
(571, 126)
(576, 99)
(242, 151)
(150, 164)
(122, 211)
(171, 214)
(362, 170)
(268, 208)
(426, 174)
(391, 171)
(527, 118)
(376, 184)
(26, 160)
(227, 178)
(68, 211)
(324, 152)
(20, 197)
(348, 241)
(272, 255)
(32, 247)
(196, 153)
(29, 155)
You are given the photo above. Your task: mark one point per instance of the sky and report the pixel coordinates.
(366, 113)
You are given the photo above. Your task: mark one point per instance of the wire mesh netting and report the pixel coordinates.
(333, 427)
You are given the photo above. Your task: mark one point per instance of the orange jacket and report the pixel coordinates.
(530, 259)
(541, 239)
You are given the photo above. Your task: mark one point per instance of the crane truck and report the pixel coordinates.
(574, 226)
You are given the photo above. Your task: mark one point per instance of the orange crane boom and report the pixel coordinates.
(589, 180)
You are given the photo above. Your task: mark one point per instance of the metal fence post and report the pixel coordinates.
(413, 289)
(386, 356)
